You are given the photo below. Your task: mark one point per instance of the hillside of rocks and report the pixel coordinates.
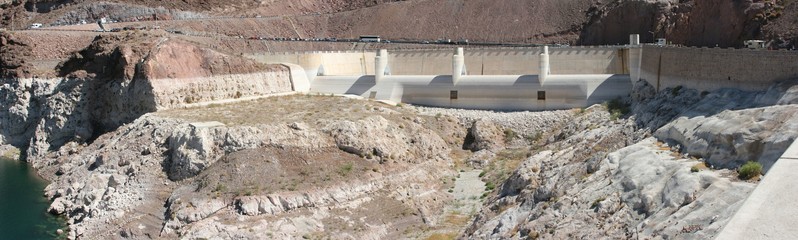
(665, 170)
(693, 23)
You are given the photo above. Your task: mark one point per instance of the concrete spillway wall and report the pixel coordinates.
(714, 68)
(497, 92)
(499, 61)
(502, 79)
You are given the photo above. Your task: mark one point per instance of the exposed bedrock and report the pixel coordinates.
(116, 80)
(681, 182)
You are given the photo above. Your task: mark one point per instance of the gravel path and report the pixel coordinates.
(467, 190)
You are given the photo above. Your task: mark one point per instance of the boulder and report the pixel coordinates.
(484, 135)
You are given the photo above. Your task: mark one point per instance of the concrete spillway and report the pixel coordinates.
(498, 79)
(543, 91)
(499, 92)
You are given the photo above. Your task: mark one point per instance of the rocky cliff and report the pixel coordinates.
(114, 81)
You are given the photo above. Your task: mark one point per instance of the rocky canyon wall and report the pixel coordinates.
(114, 81)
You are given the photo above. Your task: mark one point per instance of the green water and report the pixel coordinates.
(23, 209)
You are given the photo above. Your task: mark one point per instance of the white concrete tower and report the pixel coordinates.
(634, 39)
(458, 65)
(381, 65)
(544, 64)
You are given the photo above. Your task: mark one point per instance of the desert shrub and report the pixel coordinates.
(750, 170)
(698, 167)
(533, 137)
(490, 186)
(509, 135)
(617, 108)
(345, 169)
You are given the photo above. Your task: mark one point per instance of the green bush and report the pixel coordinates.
(750, 170)
(490, 186)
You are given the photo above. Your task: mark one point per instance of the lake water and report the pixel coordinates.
(23, 209)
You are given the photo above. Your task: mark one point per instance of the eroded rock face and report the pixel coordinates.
(13, 52)
(638, 191)
(596, 178)
(114, 81)
(376, 138)
(197, 146)
(731, 138)
(484, 135)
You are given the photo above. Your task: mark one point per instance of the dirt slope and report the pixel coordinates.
(694, 23)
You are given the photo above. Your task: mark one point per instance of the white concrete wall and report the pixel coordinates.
(501, 79)
(497, 92)
(495, 61)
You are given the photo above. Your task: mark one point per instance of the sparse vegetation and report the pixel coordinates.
(698, 167)
(533, 137)
(442, 236)
(509, 135)
(617, 108)
(750, 170)
(498, 170)
(490, 186)
(220, 188)
(345, 169)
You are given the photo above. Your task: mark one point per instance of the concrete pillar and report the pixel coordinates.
(634, 39)
(544, 64)
(458, 65)
(380, 65)
(635, 61)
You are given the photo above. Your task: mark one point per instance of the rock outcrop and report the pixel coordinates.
(13, 52)
(597, 178)
(114, 81)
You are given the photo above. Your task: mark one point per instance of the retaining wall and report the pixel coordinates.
(715, 68)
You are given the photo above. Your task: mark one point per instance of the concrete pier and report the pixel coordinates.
(381, 65)
(458, 65)
(545, 70)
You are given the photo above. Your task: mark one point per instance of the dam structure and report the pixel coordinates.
(498, 79)
(524, 78)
